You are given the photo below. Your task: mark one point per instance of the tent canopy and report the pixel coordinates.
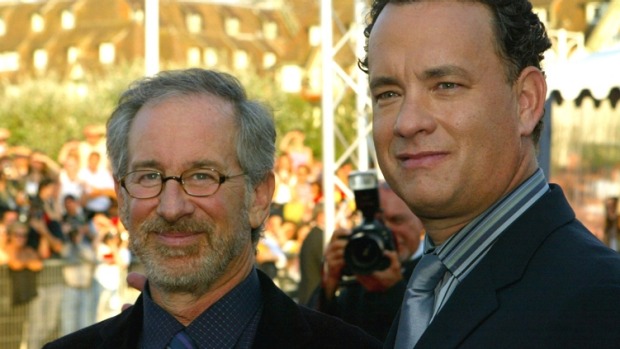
(597, 73)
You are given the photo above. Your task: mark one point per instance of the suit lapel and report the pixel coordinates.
(280, 325)
(473, 301)
(476, 298)
(125, 332)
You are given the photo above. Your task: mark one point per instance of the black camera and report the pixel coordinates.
(367, 242)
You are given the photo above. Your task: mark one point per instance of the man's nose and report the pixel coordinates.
(174, 203)
(414, 116)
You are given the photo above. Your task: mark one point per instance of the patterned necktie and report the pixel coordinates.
(181, 340)
(418, 303)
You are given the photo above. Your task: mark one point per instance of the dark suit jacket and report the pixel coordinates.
(310, 264)
(371, 311)
(283, 324)
(546, 283)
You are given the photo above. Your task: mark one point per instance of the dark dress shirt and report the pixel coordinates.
(229, 323)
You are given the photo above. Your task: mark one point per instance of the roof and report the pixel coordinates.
(598, 73)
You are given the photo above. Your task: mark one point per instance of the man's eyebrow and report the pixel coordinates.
(144, 164)
(442, 71)
(428, 74)
(382, 81)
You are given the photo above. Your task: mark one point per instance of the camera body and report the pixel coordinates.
(368, 241)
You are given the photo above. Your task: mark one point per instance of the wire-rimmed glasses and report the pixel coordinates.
(200, 182)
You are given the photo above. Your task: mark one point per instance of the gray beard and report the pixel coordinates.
(203, 263)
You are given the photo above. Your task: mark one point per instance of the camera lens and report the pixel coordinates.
(364, 253)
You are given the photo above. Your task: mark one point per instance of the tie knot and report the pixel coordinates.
(427, 273)
(181, 340)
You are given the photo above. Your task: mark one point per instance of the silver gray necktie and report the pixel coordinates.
(418, 302)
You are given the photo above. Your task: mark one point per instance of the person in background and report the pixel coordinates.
(113, 259)
(283, 192)
(97, 187)
(311, 256)
(293, 145)
(46, 237)
(5, 134)
(371, 301)
(24, 266)
(79, 263)
(458, 98)
(40, 168)
(8, 200)
(68, 178)
(94, 142)
(192, 158)
(6, 218)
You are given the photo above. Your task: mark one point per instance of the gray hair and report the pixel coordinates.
(255, 136)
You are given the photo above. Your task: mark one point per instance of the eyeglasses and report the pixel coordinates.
(200, 182)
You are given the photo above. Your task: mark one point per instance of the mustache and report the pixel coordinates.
(160, 225)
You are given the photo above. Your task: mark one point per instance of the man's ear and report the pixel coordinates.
(119, 193)
(261, 201)
(532, 93)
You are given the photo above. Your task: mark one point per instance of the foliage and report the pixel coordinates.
(44, 113)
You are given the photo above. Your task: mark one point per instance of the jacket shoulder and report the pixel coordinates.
(285, 324)
(118, 332)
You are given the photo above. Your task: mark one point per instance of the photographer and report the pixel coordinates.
(371, 301)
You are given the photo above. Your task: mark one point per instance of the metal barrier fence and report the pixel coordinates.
(31, 325)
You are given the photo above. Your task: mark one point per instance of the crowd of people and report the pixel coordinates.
(69, 209)
(485, 252)
(61, 210)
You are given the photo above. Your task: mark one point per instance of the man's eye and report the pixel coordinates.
(447, 85)
(386, 95)
(153, 175)
(201, 177)
(147, 177)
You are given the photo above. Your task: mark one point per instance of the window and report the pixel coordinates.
(210, 57)
(270, 30)
(241, 59)
(37, 24)
(291, 79)
(9, 61)
(314, 36)
(193, 21)
(107, 53)
(2, 27)
(67, 19)
(232, 26)
(137, 16)
(72, 54)
(193, 56)
(269, 60)
(39, 59)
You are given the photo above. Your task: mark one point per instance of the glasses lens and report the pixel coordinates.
(201, 181)
(143, 184)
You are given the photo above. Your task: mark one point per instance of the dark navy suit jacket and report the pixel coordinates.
(283, 324)
(547, 282)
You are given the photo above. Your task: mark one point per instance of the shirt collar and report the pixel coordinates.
(220, 326)
(462, 250)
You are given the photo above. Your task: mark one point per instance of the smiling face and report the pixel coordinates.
(452, 135)
(189, 244)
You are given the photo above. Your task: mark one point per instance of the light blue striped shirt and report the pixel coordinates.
(465, 249)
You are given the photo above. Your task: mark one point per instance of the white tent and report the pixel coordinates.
(597, 73)
(581, 141)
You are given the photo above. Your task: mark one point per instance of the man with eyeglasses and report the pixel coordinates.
(192, 159)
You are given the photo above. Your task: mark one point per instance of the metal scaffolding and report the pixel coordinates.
(356, 82)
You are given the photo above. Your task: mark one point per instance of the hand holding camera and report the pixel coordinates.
(367, 252)
(368, 241)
